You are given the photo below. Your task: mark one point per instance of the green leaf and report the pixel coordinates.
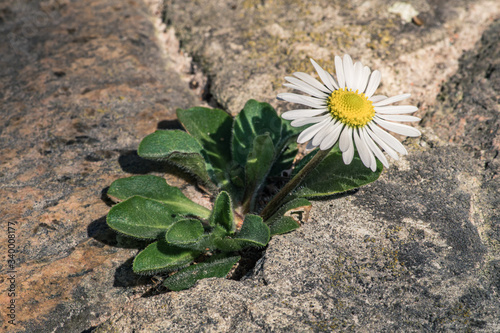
(178, 148)
(212, 129)
(159, 256)
(255, 119)
(140, 217)
(156, 188)
(288, 216)
(286, 148)
(254, 230)
(222, 213)
(290, 133)
(254, 233)
(283, 225)
(237, 174)
(186, 231)
(188, 276)
(204, 243)
(304, 160)
(285, 160)
(258, 165)
(333, 176)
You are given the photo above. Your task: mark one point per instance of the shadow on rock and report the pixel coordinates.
(125, 276)
(247, 264)
(157, 289)
(101, 232)
(169, 125)
(337, 195)
(104, 197)
(132, 163)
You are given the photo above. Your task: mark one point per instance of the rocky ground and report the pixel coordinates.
(81, 82)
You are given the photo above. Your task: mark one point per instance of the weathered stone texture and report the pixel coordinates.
(81, 82)
(468, 114)
(246, 47)
(405, 254)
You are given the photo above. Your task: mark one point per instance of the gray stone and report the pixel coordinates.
(407, 253)
(82, 82)
(247, 47)
(469, 115)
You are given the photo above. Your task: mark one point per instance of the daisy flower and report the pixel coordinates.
(346, 110)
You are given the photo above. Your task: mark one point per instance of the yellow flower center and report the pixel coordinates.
(351, 108)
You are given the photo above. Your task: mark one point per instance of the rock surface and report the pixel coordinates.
(82, 82)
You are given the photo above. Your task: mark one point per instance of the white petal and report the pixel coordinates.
(398, 117)
(376, 98)
(348, 72)
(309, 120)
(358, 72)
(332, 137)
(345, 139)
(395, 109)
(306, 85)
(348, 155)
(324, 75)
(373, 161)
(392, 99)
(387, 138)
(332, 80)
(364, 153)
(298, 82)
(309, 132)
(373, 83)
(339, 70)
(373, 147)
(311, 81)
(391, 152)
(302, 113)
(364, 79)
(318, 138)
(308, 90)
(398, 128)
(301, 99)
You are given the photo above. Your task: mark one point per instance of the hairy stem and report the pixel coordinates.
(277, 200)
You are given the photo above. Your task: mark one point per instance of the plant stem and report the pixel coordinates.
(277, 200)
(245, 206)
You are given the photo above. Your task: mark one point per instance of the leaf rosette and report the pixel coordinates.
(236, 160)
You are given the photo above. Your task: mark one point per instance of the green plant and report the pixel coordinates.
(234, 159)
